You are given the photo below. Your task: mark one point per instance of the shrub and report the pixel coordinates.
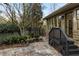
(8, 28)
(36, 32)
(22, 39)
(14, 40)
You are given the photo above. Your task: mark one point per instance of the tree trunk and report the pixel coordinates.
(22, 31)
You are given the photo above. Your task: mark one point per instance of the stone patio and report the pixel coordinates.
(34, 49)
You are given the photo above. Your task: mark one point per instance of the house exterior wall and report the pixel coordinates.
(49, 24)
(62, 24)
(56, 22)
(75, 27)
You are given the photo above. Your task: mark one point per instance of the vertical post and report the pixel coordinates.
(53, 37)
(60, 34)
(66, 48)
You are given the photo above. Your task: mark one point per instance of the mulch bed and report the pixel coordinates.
(5, 46)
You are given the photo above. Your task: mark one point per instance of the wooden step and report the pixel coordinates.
(71, 46)
(73, 51)
(74, 55)
(70, 42)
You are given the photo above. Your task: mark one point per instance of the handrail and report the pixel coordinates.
(67, 38)
(57, 34)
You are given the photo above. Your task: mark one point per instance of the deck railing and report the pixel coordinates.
(58, 39)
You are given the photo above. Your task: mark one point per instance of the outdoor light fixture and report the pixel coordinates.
(61, 17)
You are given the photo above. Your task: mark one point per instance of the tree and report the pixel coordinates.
(18, 14)
(2, 20)
(36, 15)
(23, 14)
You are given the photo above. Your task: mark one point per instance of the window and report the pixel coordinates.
(77, 15)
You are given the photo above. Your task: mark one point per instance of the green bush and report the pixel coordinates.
(8, 28)
(22, 39)
(15, 40)
(36, 32)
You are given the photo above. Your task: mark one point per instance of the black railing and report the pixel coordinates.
(59, 40)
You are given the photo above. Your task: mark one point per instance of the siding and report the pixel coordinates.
(75, 29)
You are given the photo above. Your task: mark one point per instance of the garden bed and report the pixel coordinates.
(9, 40)
(5, 46)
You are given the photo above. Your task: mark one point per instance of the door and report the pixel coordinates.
(69, 24)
